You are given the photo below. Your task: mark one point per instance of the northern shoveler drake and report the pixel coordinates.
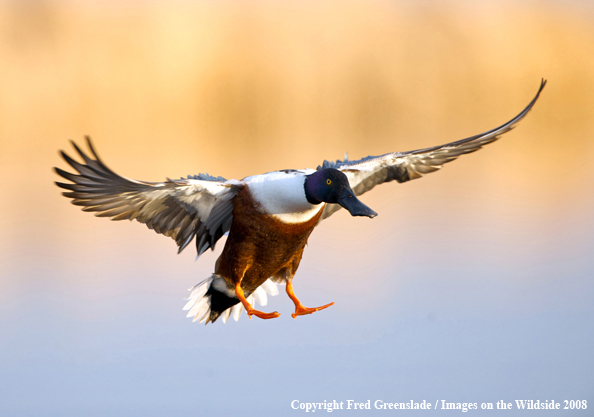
(268, 217)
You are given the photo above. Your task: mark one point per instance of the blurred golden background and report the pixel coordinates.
(168, 89)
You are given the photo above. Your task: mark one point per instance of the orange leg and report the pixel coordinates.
(248, 307)
(299, 309)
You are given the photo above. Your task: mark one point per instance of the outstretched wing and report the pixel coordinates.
(198, 206)
(368, 172)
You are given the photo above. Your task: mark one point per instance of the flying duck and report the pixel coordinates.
(268, 217)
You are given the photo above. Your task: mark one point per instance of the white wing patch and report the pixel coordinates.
(361, 172)
(203, 195)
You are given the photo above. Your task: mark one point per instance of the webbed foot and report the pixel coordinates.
(300, 310)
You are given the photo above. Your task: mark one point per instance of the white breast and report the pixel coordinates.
(281, 194)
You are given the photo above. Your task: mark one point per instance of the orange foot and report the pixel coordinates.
(299, 309)
(262, 315)
(248, 307)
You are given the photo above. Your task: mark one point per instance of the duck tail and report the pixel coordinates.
(212, 298)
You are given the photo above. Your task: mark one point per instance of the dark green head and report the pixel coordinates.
(332, 186)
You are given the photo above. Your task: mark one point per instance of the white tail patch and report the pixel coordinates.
(199, 304)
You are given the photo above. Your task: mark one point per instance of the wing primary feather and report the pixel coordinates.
(370, 171)
(176, 209)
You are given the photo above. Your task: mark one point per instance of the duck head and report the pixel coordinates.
(332, 186)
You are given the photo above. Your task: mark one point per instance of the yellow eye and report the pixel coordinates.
(328, 181)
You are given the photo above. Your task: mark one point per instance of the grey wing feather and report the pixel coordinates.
(368, 172)
(199, 205)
